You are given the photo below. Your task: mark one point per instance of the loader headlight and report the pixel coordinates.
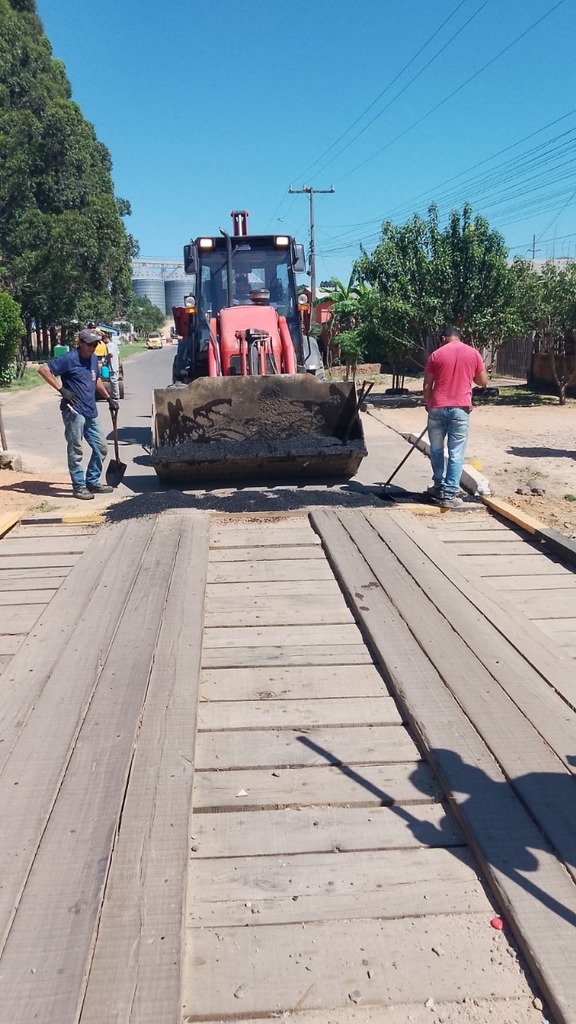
(281, 241)
(205, 243)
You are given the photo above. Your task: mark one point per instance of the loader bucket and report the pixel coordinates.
(241, 428)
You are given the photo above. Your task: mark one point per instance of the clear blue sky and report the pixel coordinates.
(210, 105)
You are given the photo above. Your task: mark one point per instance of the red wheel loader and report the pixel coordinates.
(248, 399)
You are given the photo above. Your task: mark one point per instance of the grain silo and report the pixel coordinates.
(152, 288)
(175, 291)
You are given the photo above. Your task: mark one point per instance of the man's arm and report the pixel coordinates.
(481, 378)
(101, 390)
(49, 377)
(428, 386)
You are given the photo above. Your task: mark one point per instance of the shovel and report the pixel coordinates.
(116, 469)
(413, 445)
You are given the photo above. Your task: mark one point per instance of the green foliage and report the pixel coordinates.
(424, 276)
(65, 251)
(144, 314)
(11, 333)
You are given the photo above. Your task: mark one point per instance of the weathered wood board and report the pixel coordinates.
(291, 682)
(291, 714)
(279, 968)
(322, 829)
(287, 748)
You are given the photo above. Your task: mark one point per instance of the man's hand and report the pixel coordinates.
(113, 405)
(69, 396)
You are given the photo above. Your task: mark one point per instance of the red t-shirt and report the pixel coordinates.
(453, 367)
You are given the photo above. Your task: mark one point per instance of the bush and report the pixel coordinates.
(11, 332)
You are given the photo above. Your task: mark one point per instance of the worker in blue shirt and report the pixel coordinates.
(75, 375)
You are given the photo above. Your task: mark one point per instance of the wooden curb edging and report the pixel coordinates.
(7, 522)
(556, 542)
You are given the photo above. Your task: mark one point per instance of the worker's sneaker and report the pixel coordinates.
(435, 491)
(454, 502)
(82, 492)
(100, 489)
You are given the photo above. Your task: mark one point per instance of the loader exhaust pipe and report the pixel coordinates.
(229, 278)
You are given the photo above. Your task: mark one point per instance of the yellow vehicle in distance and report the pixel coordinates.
(154, 340)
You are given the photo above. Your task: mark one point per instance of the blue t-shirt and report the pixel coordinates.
(78, 375)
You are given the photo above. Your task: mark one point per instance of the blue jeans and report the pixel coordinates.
(449, 424)
(76, 429)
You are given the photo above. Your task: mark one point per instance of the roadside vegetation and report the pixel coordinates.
(422, 275)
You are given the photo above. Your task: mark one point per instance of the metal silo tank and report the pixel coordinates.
(175, 292)
(152, 288)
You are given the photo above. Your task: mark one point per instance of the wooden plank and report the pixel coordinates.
(31, 572)
(32, 594)
(525, 724)
(20, 618)
(58, 711)
(268, 554)
(8, 521)
(295, 569)
(64, 888)
(333, 886)
(316, 829)
(515, 515)
(542, 911)
(28, 673)
(290, 682)
(302, 714)
(546, 584)
(338, 956)
(534, 647)
(498, 566)
(286, 748)
(565, 625)
(232, 594)
(10, 645)
(503, 548)
(56, 561)
(264, 535)
(42, 529)
(548, 605)
(364, 786)
(135, 971)
(277, 608)
(244, 657)
(53, 545)
(283, 636)
(5, 659)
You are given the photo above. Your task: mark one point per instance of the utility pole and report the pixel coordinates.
(310, 192)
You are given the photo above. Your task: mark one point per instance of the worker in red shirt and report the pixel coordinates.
(448, 377)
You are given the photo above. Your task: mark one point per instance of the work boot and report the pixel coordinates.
(83, 493)
(100, 489)
(453, 502)
(435, 491)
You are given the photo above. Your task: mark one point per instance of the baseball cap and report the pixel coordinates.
(89, 337)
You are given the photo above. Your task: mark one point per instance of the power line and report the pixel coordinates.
(388, 87)
(454, 91)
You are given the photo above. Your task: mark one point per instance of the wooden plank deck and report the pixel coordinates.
(95, 821)
(324, 869)
(321, 866)
(495, 730)
(35, 559)
(538, 583)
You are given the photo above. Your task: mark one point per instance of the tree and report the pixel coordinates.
(11, 333)
(64, 246)
(557, 323)
(144, 314)
(423, 276)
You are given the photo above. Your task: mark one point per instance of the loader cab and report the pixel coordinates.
(260, 264)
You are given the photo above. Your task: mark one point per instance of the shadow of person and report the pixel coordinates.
(500, 819)
(497, 824)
